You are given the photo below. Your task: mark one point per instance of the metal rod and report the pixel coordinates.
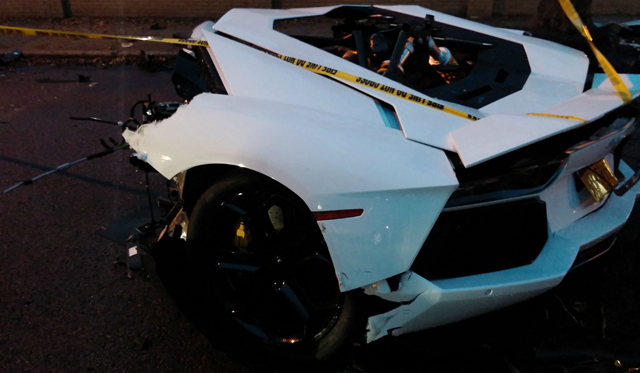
(362, 59)
(66, 8)
(67, 165)
(146, 185)
(94, 119)
(397, 52)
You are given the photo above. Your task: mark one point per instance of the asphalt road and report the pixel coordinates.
(66, 304)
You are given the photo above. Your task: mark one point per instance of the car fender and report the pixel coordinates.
(331, 161)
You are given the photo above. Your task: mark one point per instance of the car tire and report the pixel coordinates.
(263, 275)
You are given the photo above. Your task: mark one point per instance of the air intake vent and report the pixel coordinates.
(483, 239)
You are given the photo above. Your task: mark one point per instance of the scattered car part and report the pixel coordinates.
(11, 57)
(98, 120)
(107, 151)
(152, 64)
(81, 79)
(134, 259)
(156, 26)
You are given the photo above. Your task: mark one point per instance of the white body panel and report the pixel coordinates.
(478, 141)
(539, 92)
(332, 163)
(245, 76)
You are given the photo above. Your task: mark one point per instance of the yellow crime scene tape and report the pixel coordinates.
(618, 84)
(82, 35)
(621, 89)
(310, 66)
(569, 117)
(327, 71)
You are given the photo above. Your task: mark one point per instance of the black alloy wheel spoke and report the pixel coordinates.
(304, 292)
(303, 297)
(250, 293)
(246, 262)
(311, 258)
(295, 300)
(239, 267)
(246, 310)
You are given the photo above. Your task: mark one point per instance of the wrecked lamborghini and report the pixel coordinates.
(388, 170)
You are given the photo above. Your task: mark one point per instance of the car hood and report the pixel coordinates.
(555, 85)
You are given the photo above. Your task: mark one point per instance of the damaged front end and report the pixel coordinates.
(194, 74)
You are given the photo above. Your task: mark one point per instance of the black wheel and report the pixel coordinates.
(262, 267)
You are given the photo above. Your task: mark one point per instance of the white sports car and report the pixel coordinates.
(356, 171)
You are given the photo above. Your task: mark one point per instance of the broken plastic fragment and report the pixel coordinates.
(380, 287)
(11, 57)
(142, 157)
(276, 217)
(134, 261)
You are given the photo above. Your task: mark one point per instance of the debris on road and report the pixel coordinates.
(153, 64)
(81, 79)
(11, 57)
(62, 167)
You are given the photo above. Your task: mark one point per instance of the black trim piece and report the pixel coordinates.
(319, 41)
(483, 239)
(501, 76)
(195, 74)
(208, 71)
(186, 78)
(394, 282)
(594, 252)
(475, 93)
(630, 233)
(516, 183)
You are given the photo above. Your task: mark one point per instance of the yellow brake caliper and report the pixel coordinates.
(243, 236)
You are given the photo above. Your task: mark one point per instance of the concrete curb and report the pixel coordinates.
(95, 54)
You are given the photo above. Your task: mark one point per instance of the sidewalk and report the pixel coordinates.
(43, 46)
